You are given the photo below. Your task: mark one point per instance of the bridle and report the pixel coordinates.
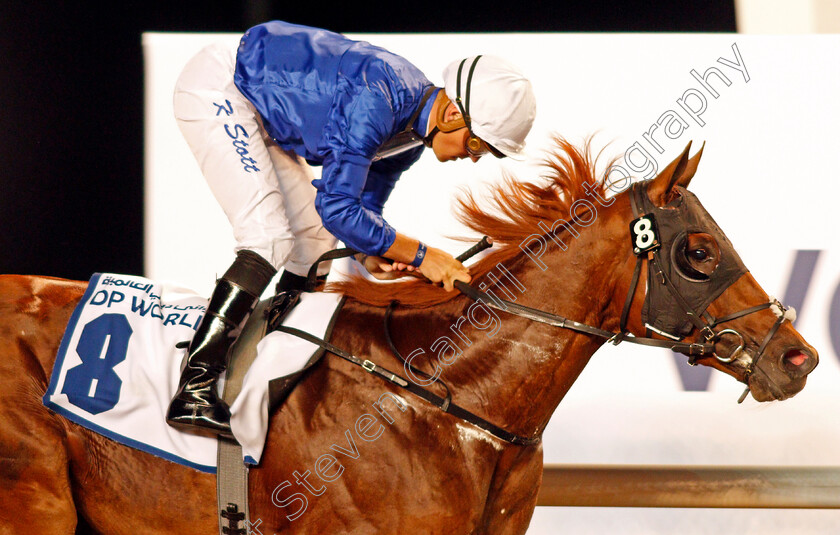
(646, 250)
(649, 250)
(702, 320)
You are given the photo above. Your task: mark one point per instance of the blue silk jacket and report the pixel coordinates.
(334, 101)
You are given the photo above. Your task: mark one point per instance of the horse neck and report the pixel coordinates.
(518, 370)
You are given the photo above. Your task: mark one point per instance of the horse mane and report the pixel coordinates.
(515, 211)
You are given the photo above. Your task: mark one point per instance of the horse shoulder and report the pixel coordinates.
(514, 490)
(34, 312)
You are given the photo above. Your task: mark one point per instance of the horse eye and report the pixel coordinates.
(698, 254)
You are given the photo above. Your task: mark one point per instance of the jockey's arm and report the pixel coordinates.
(437, 266)
(339, 203)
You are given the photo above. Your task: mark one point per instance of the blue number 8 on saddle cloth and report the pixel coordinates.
(118, 367)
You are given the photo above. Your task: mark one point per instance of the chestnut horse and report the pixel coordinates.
(350, 453)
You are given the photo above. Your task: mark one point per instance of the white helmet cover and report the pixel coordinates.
(497, 100)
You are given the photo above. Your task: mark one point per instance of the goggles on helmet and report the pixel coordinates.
(475, 146)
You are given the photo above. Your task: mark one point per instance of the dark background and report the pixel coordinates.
(71, 90)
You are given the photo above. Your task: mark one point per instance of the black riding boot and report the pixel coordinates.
(196, 406)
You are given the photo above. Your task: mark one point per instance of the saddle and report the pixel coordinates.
(267, 316)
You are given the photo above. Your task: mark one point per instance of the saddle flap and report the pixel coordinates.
(280, 388)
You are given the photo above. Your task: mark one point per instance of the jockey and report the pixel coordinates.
(293, 96)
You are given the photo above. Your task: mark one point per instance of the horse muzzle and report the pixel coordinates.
(781, 371)
(799, 361)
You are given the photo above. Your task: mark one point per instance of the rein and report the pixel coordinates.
(690, 349)
(686, 348)
(704, 322)
(443, 403)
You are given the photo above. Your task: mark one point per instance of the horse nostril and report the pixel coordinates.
(797, 361)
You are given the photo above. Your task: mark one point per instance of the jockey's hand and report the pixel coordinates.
(384, 269)
(440, 266)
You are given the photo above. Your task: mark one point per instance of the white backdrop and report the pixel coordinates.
(768, 177)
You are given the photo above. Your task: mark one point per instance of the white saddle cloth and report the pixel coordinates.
(117, 367)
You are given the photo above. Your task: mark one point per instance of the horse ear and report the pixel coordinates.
(690, 168)
(678, 173)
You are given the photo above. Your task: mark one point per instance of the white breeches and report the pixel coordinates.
(265, 191)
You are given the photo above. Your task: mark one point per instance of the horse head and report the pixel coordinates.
(699, 290)
(578, 267)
